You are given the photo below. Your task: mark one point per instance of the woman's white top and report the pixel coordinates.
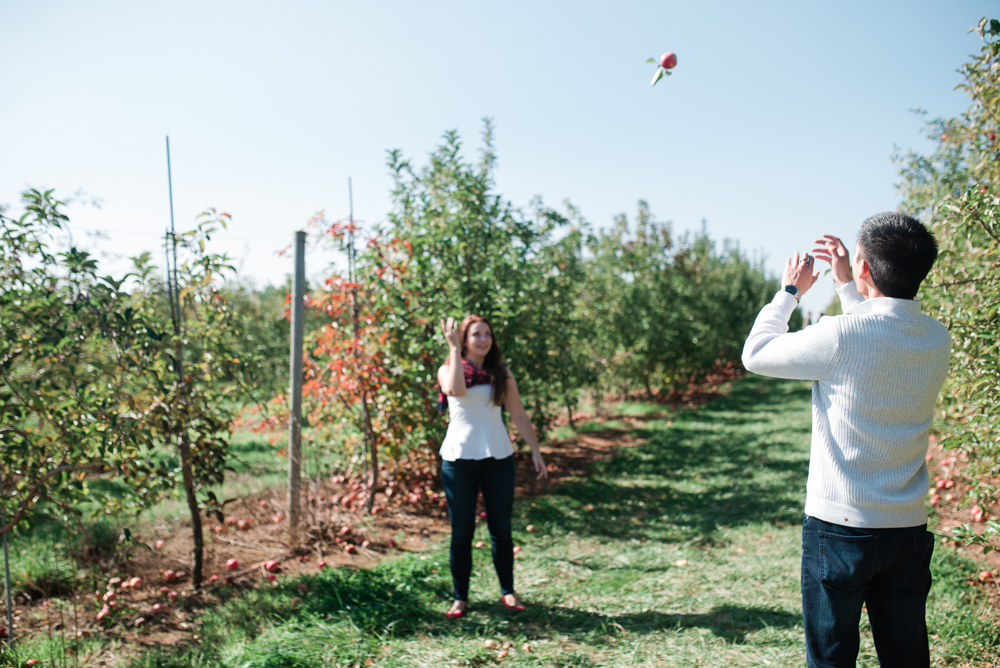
(475, 429)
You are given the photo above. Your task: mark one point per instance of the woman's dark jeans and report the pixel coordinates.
(844, 568)
(462, 480)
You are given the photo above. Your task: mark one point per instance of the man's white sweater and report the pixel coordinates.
(876, 371)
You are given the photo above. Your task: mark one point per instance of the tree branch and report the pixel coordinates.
(16, 517)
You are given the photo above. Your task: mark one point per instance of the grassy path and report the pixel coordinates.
(680, 551)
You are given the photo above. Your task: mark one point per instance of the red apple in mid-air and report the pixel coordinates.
(668, 60)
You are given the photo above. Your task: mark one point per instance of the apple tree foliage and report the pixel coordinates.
(89, 372)
(956, 190)
(572, 308)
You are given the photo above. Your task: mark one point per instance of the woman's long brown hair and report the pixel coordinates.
(493, 363)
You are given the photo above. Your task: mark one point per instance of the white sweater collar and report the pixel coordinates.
(888, 306)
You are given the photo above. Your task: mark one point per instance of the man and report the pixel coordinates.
(876, 371)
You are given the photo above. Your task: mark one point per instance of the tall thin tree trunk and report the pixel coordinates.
(372, 452)
(183, 440)
(197, 554)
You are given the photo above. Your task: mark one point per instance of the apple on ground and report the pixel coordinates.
(390, 543)
(160, 543)
(303, 586)
(232, 564)
(530, 528)
(480, 543)
(172, 596)
(517, 548)
(157, 608)
(321, 564)
(135, 583)
(272, 566)
(271, 577)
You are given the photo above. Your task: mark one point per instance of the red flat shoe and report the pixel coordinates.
(514, 608)
(458, 614)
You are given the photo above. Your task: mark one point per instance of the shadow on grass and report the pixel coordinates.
(731, 622)
(734, 461)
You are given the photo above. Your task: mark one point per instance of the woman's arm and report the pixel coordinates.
(451, 376)
(523, 423)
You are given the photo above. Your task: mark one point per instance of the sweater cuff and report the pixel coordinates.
(849, 296)
(785, 303)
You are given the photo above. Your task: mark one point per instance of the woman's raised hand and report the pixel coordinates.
(451, 334)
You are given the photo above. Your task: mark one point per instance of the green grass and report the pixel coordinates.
(721, 488)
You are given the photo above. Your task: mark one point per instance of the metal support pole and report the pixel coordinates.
(295, 389)
(6, 583)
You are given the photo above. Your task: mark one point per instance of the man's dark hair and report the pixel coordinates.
(899, 251)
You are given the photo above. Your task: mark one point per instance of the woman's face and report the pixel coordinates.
(478, 339)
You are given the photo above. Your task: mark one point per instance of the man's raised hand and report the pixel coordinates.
(799, 273)
(832, 250)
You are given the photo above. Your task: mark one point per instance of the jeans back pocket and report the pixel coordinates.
(846, 562)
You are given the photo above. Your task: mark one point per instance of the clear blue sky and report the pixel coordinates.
(777, 126)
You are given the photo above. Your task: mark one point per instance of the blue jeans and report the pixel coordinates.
(844, 568)
(463, 479)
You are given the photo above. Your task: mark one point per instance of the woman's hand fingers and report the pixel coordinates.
(539, 462)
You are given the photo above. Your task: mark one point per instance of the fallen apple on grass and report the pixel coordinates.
(321, 564)
(232, 564)
(272, 566)
(271, 577)
(480, 544)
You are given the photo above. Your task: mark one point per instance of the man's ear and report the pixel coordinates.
(865, 269)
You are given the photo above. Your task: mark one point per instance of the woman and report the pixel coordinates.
(478, 454)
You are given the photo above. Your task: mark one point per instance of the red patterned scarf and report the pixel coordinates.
(473, 376)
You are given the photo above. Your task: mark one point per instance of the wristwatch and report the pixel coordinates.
(793, 291)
